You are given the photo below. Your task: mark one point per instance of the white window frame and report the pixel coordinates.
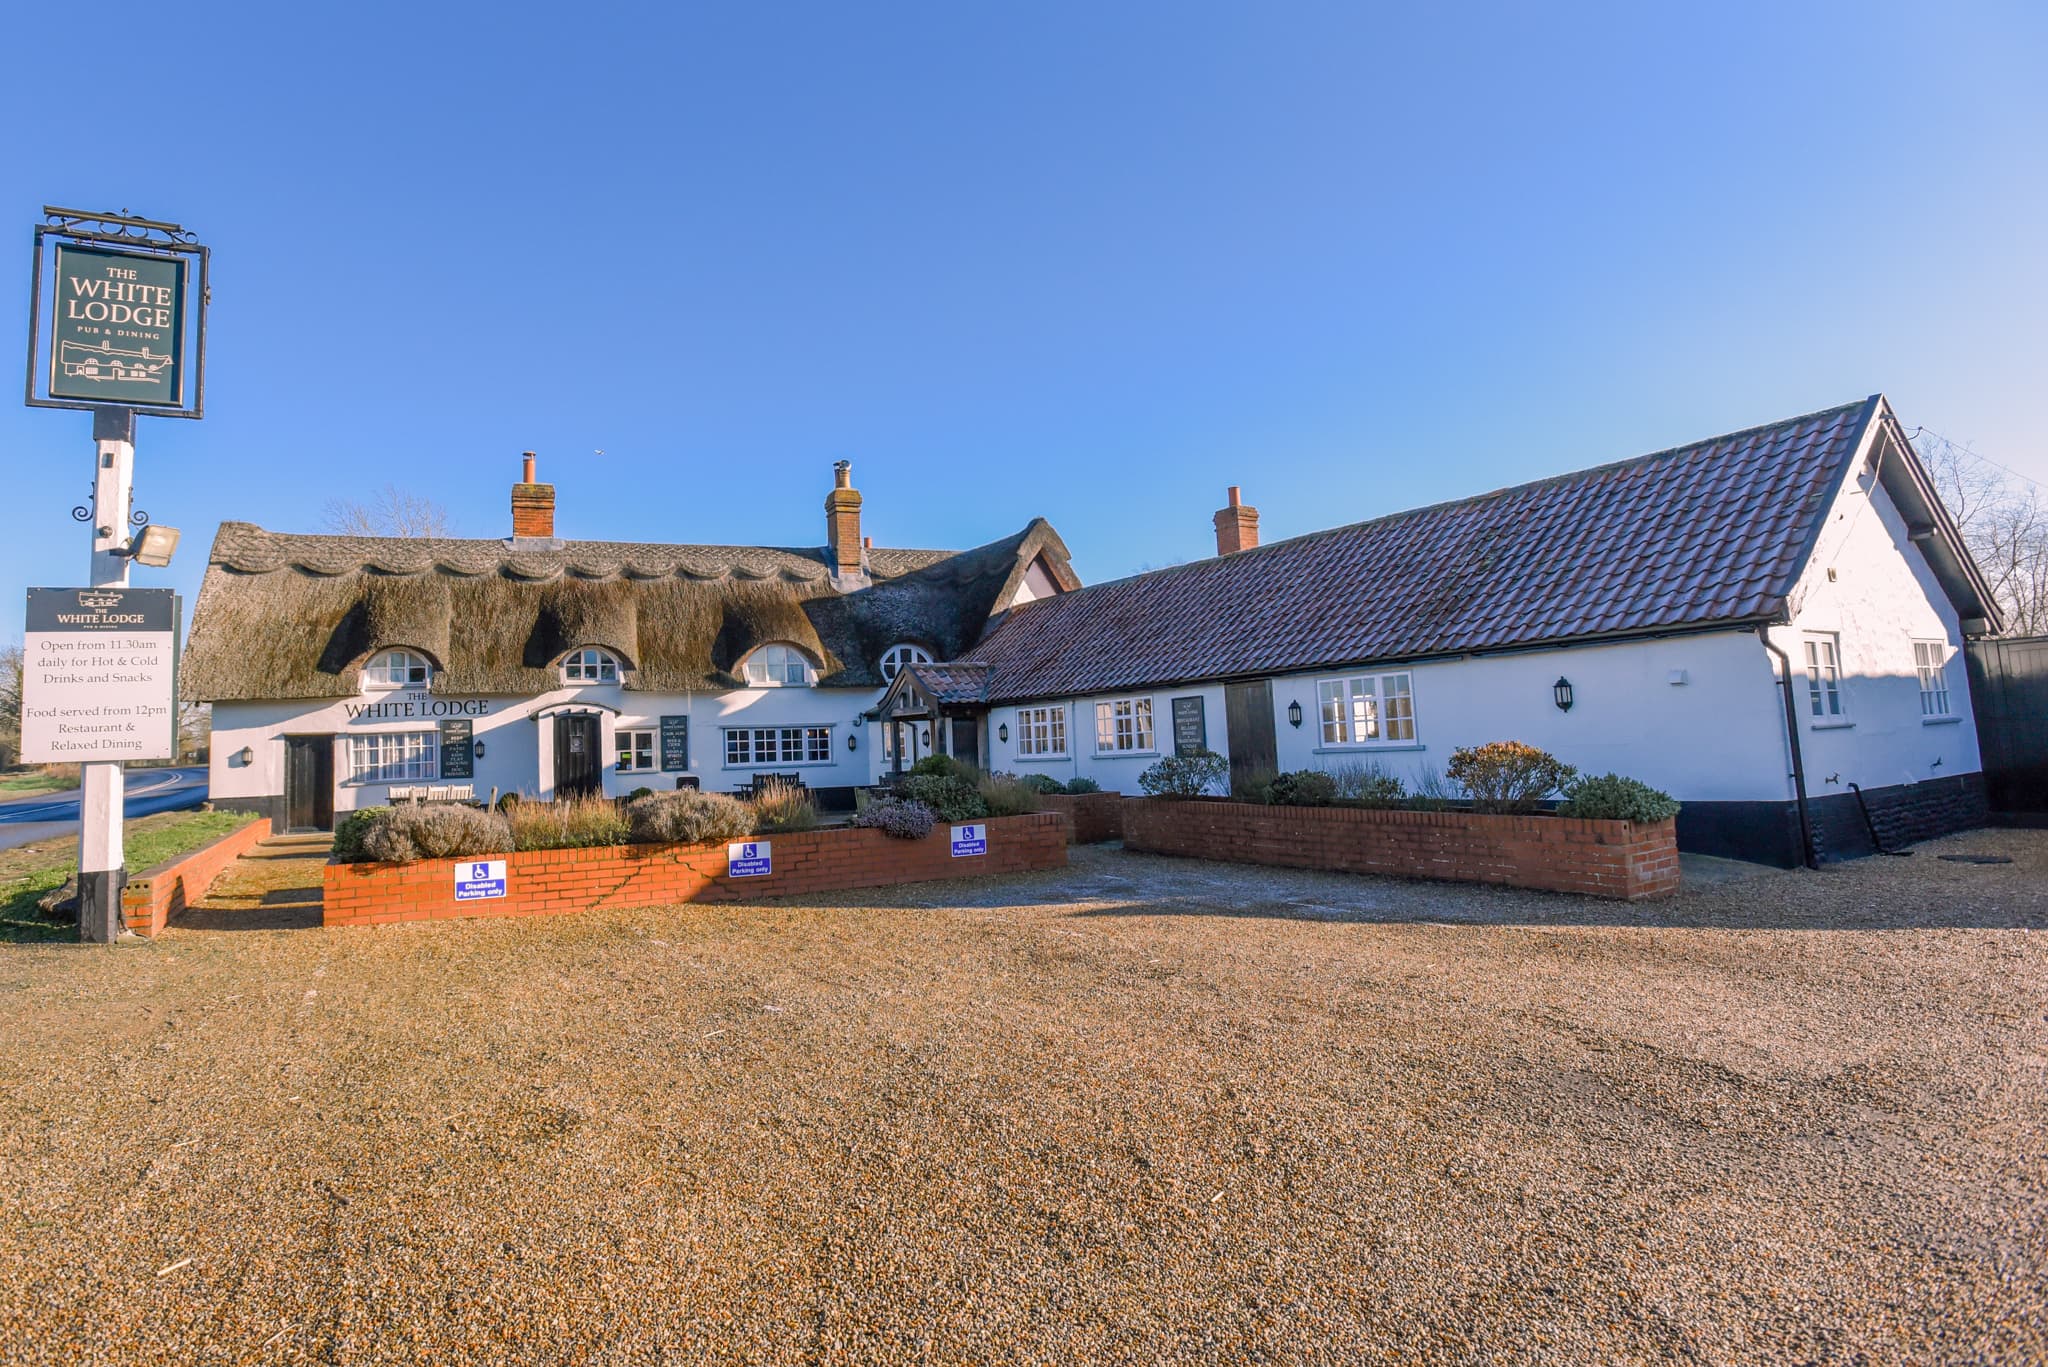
(1366, 711)
(393, 756)
(1042, 733)
(1930, 662)
(379, 668)
(590, 665)
(1111, 717)
(633, 744)
(811, 741)
(1827, 702)
(901, 654)
(765, 658)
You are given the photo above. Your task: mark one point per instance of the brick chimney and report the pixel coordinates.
(533, 507)
(1237, 527)
(842, 524)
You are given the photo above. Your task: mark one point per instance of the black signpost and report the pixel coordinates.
(1190, 727)
(675, 744)
(458, 748)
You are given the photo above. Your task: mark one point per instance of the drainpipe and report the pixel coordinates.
(1792, 738)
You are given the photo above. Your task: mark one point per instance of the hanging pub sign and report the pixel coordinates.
(118, 315)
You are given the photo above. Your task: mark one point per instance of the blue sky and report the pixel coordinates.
(1091, 262)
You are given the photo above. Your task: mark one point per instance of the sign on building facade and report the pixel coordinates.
(99, 676)
(458, 748)
(1190, 726)
(675, 744)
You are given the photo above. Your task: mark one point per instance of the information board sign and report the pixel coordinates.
(476, 880)
(1190, 726)
(458, 748)
(99, 676)
(748, 859)
(970, 840)
(675, 744)
(117, 331)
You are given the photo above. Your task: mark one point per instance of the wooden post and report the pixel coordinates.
(102, 786)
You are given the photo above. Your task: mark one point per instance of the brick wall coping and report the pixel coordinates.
(155, 895)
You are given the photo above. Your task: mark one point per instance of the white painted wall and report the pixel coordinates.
(1882, 597)
(1115, 772)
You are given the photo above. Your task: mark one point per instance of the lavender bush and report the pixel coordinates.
(904, 820)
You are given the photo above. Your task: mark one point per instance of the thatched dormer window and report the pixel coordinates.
(778, 666)
(397, 669)
(590, 666)
(895, 657)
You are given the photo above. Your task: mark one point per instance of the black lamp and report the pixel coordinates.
(479, 749)
(1294, 714)
(852, 741)
(1003, 732)
(1562, 691)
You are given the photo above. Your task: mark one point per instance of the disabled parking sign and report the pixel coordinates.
(478, 879)
(748, 859)
(971, 839)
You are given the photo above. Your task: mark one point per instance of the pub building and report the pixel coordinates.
(341, 668)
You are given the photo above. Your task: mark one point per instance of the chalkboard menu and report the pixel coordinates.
(458, 748)
(1190, 727)
(675, 744)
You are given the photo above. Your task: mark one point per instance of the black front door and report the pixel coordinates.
(1248, 717)
(576, 770)
(967, 740)
(309, 783)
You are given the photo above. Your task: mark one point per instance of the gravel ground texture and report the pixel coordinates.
(1139, 1110)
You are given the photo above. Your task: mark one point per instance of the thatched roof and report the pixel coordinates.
(284, 616)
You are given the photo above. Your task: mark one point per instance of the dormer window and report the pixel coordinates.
(589, 666)
(778, 667)
(895, 657)
(397, 669)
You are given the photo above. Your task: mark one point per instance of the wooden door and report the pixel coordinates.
(309, 783)
(1248, 720)
(967, 740)
(576, 760)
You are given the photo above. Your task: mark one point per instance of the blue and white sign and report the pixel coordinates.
(748, 859)
(970, 840)
(478, 879)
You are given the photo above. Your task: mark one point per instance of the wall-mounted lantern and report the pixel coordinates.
(852, 741)
(246, 755)
(1003, 732)
(1294, 714)
(1562, 692)
(924, 738)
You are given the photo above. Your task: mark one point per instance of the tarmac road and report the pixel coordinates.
(42, 815)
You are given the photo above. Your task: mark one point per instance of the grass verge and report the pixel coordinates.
(59, 778)
(32, 870)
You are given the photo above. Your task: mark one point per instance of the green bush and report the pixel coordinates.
(1611, 797)
(1507, 776)
(1253, 785)
(1304, 788)
(1007, 795)
(1368, 785)
(639, 793)
(1078, 786)
(400, 835)
(953, 799)
(507, 802)
(781, 808)
(1186, 775)
(944, 766)
(1042, 783)
(349, 833)
(688, 817)
(570, 823)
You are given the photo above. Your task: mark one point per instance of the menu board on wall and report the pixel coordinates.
(675, 744)
(458, 748)
(1190, 727)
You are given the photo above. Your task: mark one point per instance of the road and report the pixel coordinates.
(38, 817)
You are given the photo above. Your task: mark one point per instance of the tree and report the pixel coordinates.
(2004, 521)
(389, 512)
(12, 663)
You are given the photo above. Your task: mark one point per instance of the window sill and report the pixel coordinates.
(1394, 747)
(763, 766)
(1045, 759)
(1126, 754)
(1830, 725)
(1941, 721)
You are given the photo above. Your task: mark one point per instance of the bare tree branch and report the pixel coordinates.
(2004, 521)
(389, 512)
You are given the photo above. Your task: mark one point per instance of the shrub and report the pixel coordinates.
(349, 833)
(570, 823)
(1042, 783)
(507, 802)
(903, 819)
(1078, 786)
(781, 808)
(688, 817)
(400, 835)
(1507, 776)
(639, 793)
(1368, 785)
(1434, 792)
(1304, 788)
(1007, 795)
(1253, 785)
(1185, 775)
(952, 799)
(944, 766)
(1610, 797)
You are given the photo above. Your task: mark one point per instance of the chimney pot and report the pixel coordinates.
(1236, 497)
(528, 477)
(867, 543)
(533, 506)
(1237, 526)
(842, 524)
(842, 474)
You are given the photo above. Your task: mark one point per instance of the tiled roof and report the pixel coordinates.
(957, 681)
(1715, 532)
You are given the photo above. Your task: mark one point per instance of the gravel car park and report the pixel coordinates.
(1136, 1110)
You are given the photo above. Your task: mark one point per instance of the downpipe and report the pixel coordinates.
(1792, 739)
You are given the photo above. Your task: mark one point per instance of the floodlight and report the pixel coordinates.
(154, 546)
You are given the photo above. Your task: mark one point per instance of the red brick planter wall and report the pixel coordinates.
(1091, 817)
(154, 896)
(548, 882)
(1595, 858)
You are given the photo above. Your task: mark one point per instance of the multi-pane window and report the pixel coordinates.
(1367, 709)
(1123, 725)
(1930, 659)
(635, 751)
(747, 745)
(590, 666)
(397, 669)
(392, 757)
(1824, 677)
(1042, 731)
(895, 657)
(777, 667)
